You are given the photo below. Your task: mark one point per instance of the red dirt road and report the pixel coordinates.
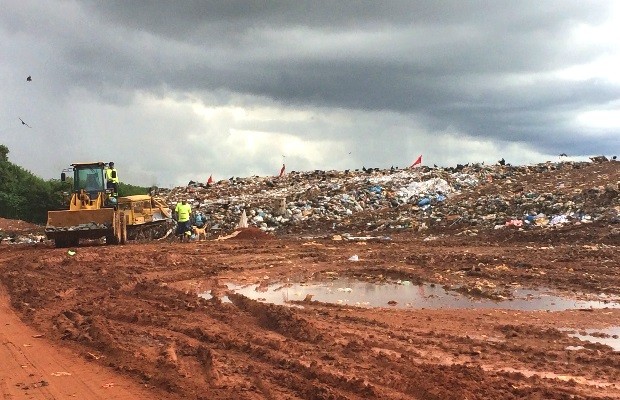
(33, 367)
(130, 315)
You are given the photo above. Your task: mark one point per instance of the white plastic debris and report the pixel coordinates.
(243, 221)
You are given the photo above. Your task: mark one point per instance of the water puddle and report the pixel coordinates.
(609, 337)
(407, 295)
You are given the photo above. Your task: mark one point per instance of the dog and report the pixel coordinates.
(200, 232)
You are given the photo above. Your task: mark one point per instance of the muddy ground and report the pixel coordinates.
(133, 311)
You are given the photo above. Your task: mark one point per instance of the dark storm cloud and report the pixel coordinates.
(183, 20)
(432, 54)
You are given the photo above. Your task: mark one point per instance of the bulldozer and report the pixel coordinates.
(95, 213)
(146, 217)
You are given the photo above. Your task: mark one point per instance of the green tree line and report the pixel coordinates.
(27, 197)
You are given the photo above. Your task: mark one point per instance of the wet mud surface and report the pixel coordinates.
(136, 310)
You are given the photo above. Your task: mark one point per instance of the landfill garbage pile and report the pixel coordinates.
(13, 231)
(466, 197)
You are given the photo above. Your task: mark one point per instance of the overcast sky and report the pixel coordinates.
(177, 91)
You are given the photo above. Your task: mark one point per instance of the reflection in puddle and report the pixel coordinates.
(609, 337)
(406, 295)
(207, 296)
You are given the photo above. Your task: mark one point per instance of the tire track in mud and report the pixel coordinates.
(270, 317)
(104, 333)
(33, 367)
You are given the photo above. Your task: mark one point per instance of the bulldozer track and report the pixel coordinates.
(151, 231)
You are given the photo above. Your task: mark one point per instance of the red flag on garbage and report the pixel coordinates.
(282, 170)
(416, 162)
(210, 180)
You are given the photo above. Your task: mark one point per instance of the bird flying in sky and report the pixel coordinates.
(29, 79)
(23, 123)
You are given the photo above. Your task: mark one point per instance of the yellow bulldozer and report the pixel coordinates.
(94, 212)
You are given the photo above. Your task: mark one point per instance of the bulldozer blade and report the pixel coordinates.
(81, 224)
(66, 218)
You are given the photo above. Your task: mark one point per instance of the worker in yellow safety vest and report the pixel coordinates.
(112, 178)
(182, 212)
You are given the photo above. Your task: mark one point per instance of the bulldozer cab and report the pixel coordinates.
(90, 179)
(89, 188)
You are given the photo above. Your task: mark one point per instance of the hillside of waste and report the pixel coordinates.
(464, 199)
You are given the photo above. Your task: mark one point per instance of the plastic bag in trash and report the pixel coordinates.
(558, 220)
(424, 202)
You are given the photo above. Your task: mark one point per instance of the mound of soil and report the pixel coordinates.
(15, 225)
(253, 233)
